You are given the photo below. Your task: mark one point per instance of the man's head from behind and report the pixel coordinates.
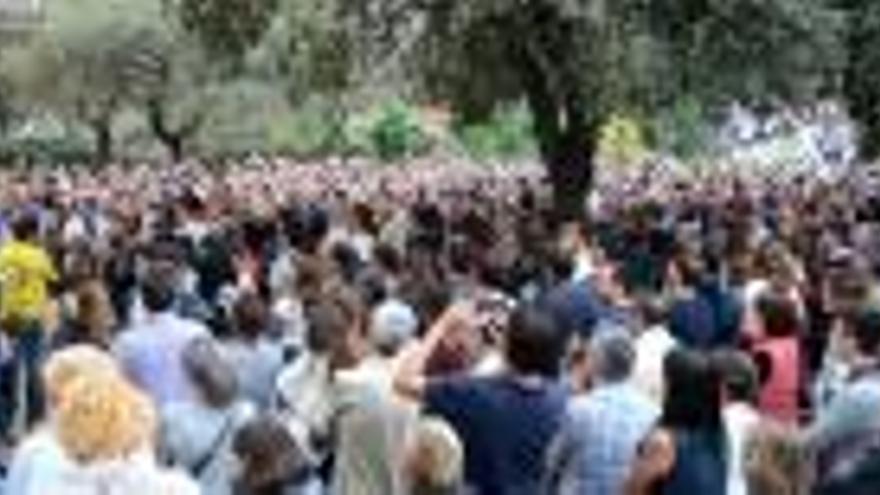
(612, 356)
(534, 343)
(26, 227)
(739, 375)
(157, 289)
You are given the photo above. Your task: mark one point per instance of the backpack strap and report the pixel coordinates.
(213, 449)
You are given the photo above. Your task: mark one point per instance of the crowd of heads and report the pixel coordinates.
(304, 274)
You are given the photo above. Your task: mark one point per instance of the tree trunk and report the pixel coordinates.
(564, 128)
(174, 144)
(570, 168)
(103, 141)
(567, 147)
(174, 140)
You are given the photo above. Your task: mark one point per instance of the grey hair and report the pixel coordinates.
(613, 355)
(211, 375)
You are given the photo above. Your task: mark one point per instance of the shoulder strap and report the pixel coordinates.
(211, 453)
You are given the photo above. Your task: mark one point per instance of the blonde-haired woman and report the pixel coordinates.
(106, 428)
(434, 461)
(39, 460)
(98, 438)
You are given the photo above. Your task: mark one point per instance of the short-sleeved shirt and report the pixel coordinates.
(850, 418)
(151, 354)
(600, 438)
(506, 426)
(25, 273)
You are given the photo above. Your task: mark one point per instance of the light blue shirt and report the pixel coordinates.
(192, 432)
(852, 412)
(151, 354)
(257, 365)
(599, 440)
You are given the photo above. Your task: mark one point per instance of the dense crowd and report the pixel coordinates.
(272, 328)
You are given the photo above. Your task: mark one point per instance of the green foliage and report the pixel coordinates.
(307, 49)
(622, 141)
(756, 51)
(508, 134)
(862, 74)
(231, 76)
(396, 133)
(303, 133)
(45, 140)
(77, 65)
(227, 29)
(242, 112)
(683, 129)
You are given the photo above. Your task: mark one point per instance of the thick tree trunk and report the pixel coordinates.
(567, 146)
(570, 168)
(564, 128)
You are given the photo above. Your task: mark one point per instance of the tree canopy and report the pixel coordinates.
(577, 61)
(573, 64)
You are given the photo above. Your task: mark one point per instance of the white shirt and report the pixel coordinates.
(39, 463)
(740, 419)
(651, 348)
(137, 474)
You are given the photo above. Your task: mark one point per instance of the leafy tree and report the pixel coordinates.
(227, 29)
(861, 87)
(575, 62)
(309, 53)
(172, 79)
(75, 65)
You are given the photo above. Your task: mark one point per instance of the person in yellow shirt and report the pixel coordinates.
(26, 275)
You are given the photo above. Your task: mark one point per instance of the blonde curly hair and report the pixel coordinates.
(72, 363)
(436, 456)
(103, 418)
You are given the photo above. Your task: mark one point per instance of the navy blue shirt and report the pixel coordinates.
(707, 319)
(505, 426)
(700, 465)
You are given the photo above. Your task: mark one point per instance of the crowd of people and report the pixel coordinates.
(272, 328)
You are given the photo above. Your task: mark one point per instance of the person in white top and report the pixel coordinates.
(741, 418)
(651, 346)
(105, 429)
(39, 461)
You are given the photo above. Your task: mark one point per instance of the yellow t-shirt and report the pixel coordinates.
(25, 273)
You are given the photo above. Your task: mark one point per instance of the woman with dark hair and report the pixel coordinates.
(271, 461)
(778, 358)
(197, 436)
(687, 452)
